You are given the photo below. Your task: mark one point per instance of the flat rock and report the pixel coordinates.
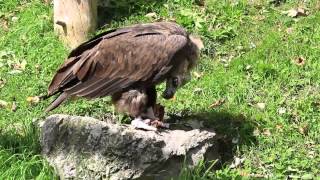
(87, 148)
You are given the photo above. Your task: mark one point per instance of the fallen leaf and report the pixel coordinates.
(266, 132)
(45, 17)
(248, 67)
(261, 106)
(317, 7)
(307, 176)
(8, 57)
(14, 19)
(14, 106)
(20, 65)
(310, 144)
(4, 24)
(279, 127)
(311, 154)
(296, 12)
(2, 82)
(256, 132)
(197, 91)
(151, 15)
(217, 103)
(33, 99)
(15, 71)
(259, 17)
(300, 61)
(303, 129)
(37, 66)
(237, 162)
(282, 110)
(289, 30)
(244, 173)
(197, 75)
(252, 46)
(3, 104)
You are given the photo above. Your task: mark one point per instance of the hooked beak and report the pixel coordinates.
(169, 93)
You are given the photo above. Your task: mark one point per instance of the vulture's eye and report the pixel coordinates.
(175, 82)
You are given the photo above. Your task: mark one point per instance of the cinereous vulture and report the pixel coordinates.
(127, 64)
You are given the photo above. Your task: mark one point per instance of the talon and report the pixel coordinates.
(157, 123)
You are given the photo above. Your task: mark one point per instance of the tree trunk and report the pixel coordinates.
(74, 20)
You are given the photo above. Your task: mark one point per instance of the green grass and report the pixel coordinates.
(248, 59)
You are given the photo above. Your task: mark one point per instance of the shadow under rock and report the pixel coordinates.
(233, 130)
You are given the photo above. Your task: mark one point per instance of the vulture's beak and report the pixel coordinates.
(169, 93)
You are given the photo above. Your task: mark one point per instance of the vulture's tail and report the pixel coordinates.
(62, 97)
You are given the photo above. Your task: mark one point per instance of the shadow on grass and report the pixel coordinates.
(20, 153)
(118, 10)
(19, 138)
(233, 130)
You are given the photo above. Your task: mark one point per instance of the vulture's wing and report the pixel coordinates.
(116, 62)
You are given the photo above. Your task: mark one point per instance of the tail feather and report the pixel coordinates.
(62, 97)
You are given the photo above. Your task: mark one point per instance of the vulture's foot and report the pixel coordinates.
(158, 123)
(139, 123)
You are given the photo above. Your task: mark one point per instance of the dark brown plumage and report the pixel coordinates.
(132, 58)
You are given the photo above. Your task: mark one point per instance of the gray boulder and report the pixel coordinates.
(87, 148)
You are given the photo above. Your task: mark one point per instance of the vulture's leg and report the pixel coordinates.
(150, 111)
(134, 103)
(149, 114)
(153, 120)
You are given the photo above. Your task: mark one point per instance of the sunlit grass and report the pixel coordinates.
(249, 59)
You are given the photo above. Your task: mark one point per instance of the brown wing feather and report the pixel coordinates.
(117, 61)
(150, 54)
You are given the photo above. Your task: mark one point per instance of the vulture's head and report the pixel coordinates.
(180, 76)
